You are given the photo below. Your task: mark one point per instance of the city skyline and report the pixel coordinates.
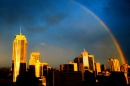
(59, 34)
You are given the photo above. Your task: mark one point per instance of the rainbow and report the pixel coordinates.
(123, 59)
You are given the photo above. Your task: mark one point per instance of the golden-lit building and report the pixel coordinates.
(34, 56)
(19, 55)
(85, 61)
(37, 68)
(114, 64)
(97, 68)
(124, 68)
(34, 63)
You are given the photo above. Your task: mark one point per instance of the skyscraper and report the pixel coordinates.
(19, 55)
(85, 61)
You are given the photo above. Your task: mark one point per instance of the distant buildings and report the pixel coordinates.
(124, 67)
(114, 65)
(19, 55)
(36, 67)
(97, 68)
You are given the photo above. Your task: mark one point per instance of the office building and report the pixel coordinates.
(19, 56)
(97, 68)
(124, 68)
(44, 69)
(114, 65)
(62, 78)
(37, 68)
(71, 66)
(34, 56)
(85, 61)
(34, 63)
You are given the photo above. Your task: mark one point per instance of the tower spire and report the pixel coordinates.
(20, 31)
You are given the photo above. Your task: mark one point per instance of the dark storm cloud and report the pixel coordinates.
(55, 18)
(30, 14)
(118, 8)
(14, 11)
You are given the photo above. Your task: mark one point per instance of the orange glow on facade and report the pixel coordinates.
(85, 62)
(34, 56)
(19, 54)
(37, 68)
(114, 64)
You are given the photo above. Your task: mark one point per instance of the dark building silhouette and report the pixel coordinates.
(115, 79)
(61, 78)
(89, 78)
(27, 80)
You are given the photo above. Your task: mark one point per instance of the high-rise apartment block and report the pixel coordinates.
(114, 65)
(19, 55)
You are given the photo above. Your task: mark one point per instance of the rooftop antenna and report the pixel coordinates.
(20, 31)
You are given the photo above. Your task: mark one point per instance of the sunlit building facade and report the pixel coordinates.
(114, 64)
(19, 55)
(34, 63)
(124, 68)
(37, 68)
(34, 57)
(97, 68)
(85, 61)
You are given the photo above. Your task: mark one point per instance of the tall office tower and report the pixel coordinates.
(85, 62)
(19, 56)
(97, 68)
(114, 64)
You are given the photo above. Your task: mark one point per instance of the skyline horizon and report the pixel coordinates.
(27, 62)
(61, 30)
